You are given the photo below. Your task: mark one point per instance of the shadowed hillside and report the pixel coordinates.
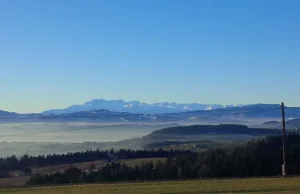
(215, 130)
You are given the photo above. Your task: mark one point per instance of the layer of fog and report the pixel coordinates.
(49, 138)
(74, 132)
(62, 137)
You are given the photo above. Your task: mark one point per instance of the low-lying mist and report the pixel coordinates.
(48, 138)
(34, 138)
(73, 132)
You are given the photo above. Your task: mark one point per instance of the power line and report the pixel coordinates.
(283, 141)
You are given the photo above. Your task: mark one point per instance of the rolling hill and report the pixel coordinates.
(230, 115)
(289, 124)
(215, 130)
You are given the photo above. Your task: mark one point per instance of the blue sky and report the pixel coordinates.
(58, 53)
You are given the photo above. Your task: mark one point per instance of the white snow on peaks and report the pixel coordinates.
(128, 106)
(136, 107)
(208, 108)
(186, 108)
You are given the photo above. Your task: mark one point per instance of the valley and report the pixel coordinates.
(193, 131)
(150, 97)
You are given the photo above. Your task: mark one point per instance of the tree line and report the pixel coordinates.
(257, 158)
(26, 162)
(218, 129)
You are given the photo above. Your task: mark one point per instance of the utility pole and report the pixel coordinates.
(283, 141)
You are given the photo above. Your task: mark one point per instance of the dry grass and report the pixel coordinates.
(13, 182)
(21, 181)
(62, 168)
(257, 186)
(98, 164)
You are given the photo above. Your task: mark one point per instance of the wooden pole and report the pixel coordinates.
(283, 141)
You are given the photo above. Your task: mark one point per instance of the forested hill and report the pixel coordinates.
(256, 159)
(215, 129)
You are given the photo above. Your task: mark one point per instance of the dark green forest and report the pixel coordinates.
(255, 159)
(223, 129)
(25, 162)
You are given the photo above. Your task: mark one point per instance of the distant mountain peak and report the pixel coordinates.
(95, 112)
(134, 106)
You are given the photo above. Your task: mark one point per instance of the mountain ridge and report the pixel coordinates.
(258, 113)
(137, 107)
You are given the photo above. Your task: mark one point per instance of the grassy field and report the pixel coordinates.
(13, 182)
(257, 186)
(98, 164)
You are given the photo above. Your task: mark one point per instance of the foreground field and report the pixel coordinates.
(21, 181)
(263, 185)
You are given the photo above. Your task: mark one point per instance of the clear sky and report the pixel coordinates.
(57, 53)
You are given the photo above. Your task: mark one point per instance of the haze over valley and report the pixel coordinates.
(66, 130)
(114, 97)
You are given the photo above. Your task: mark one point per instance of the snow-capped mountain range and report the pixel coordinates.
(137, 107)
(224, 115)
